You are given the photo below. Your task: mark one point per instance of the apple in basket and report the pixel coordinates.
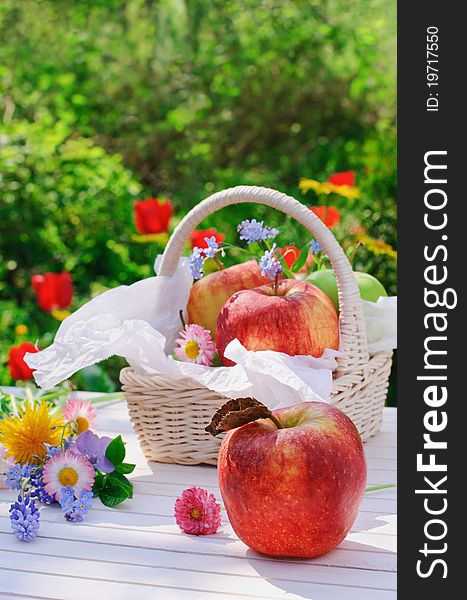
(370, 288)
(294, 318)
(208, 295)
(291, 483)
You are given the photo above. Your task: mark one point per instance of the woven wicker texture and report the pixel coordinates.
(170, 415)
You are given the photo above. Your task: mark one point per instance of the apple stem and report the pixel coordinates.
(276, 284)
(276, 422)
(182, 318)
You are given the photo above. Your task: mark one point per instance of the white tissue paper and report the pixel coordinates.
(381, 324)
(141, 322)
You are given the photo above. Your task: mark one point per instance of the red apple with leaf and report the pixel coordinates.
(291, 480)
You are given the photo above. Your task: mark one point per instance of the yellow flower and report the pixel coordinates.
(60, 315)
(21, 329)
(376, 246)
(149, 238)
(26, 434)
(349, 192)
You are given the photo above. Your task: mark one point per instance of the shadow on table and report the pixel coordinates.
(146, 518)
(352, 553)
(277, 573)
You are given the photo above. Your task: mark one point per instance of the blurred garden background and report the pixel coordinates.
(108, 102)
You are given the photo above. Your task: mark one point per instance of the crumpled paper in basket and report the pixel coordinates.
(381, 323)
(141, 322)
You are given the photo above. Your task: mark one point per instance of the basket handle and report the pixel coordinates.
(352, 325)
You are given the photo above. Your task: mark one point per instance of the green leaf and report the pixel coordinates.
(125, 468)
(98, 483)
(120, 481)
(299, 263)
(287, 272)
(115, 451)
(112, 496)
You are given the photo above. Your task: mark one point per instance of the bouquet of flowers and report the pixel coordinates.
(50, 455)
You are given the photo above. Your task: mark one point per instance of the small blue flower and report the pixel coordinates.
(315, 247)
(269, 233)
(79, 507)
(38, 489)
(212, 247)
(15, 475)
(24, 517)
(53, 450)
(67, 498)
(269, 264)
(195, 263)
(254, 231)
(84, 502)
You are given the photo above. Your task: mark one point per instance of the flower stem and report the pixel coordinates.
(219, 263)
(54, 395)
(374, 488)
(23, 487)
(354, 252)
(107, 397)
(182, 318)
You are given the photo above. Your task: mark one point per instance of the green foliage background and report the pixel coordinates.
(107, 101)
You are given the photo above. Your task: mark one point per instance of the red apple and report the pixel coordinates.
(299, 319)
(208, 295)
(293, 491)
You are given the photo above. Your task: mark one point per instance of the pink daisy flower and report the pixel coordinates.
(81, 411)
(195, 345)
(68, 469)
(197, 512)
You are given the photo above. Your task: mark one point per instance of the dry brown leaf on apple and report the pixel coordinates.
(235, 413)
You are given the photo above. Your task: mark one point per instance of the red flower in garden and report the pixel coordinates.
(19, 370)
(290, 254)
(330, 215)
(53, 290)
(153, 215)
(197, 237)
(343, 178)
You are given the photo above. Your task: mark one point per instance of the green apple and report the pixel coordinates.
(370, 288)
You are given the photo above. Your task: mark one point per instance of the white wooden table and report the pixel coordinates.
(138, 552)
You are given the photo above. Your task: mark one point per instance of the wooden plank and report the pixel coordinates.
(60, 586)
(138, 549)
(349, 554)
(146, 504)
(125, 518)
(305, 572)
(145, 565)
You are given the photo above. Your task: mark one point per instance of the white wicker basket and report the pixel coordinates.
(169, 416)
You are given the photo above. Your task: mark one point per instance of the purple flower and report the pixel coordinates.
(67, 497)
(269, 264)
(212, 247)
(24, 517)
(315, 247)
(196, 262)
(16, 474)
(254, 231)
(38, 489)
(75, 508)
(93, 448)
